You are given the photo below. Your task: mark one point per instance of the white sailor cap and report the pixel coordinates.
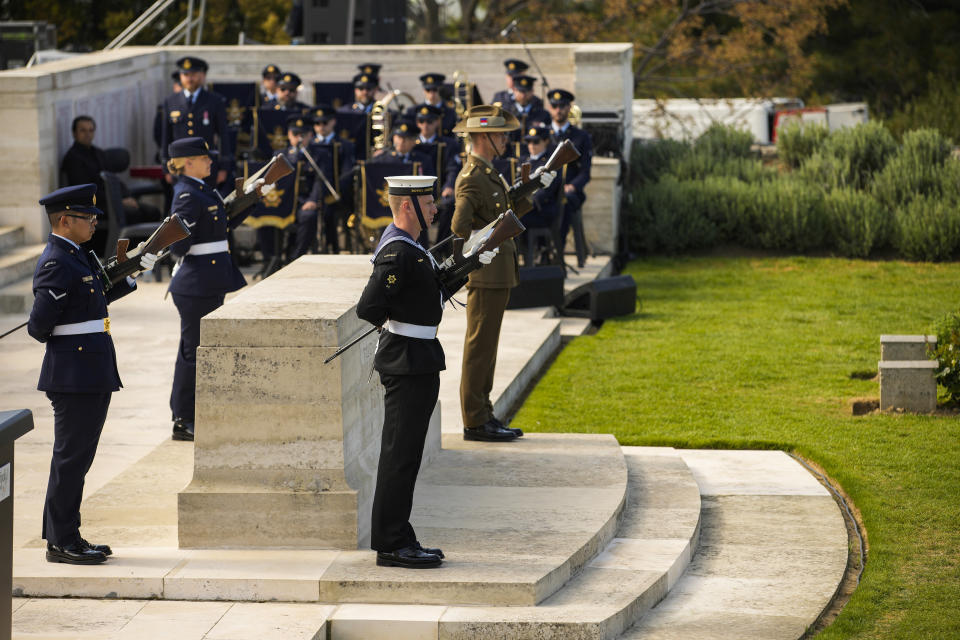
(410, 185)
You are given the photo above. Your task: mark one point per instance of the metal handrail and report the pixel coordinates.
(151, 14)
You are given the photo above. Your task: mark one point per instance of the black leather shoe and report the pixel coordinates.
(496, 421)
(182, 430)
(75, 553)
(489, 431)
(436, 552)
(102, 548)
(411, 557)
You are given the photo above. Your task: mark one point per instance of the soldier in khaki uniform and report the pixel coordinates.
(481, 195)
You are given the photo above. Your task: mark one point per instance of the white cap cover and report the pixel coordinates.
(410, 185)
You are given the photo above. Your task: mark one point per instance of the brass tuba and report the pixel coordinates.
(576, 115)
(381, 116)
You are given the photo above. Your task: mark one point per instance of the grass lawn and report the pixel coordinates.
(757, 352)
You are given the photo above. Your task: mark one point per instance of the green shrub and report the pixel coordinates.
(825, 171)
(916, 169)
(798, 140)
(721, 142)
(866, 148)
(671, 216)
(927, 228)
(947, 354)
(791, 216)
(649, 159)
(856, 221)
(699, 165)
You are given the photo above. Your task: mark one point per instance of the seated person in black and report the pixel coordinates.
(83, 163)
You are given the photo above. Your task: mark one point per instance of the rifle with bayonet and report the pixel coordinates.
(125, 263)
(245, 196)
(465, 259)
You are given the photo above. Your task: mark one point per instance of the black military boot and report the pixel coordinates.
(182, 430)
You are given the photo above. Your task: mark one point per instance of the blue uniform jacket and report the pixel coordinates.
(66, 290)
(544, 200)
(342, 157)
(206, 118)
(578, 171)
(446, 159)
(201, 209)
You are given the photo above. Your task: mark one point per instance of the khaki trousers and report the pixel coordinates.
(485, 309)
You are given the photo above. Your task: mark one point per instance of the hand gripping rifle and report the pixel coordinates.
(238, 200)
(464, 260)
(124, 264)
(565, 153)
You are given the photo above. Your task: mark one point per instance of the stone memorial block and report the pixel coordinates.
(909, 385)
(893, 347)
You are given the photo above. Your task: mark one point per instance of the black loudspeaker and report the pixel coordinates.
(539, 287)
(603, 298)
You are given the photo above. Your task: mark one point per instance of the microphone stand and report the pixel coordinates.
(544, 85)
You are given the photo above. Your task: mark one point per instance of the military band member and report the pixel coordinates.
(404, 136)
(527, 107)
(342, 156)
(364, 89)
(205, 272)
(481, 196)
(309, 189)
(268, 85)
(546, 205)
(372, 70)
(79, 371)
(286, 99)
(403, 296)
(196, 112)
(576, 175)
(512, 67)
(445, 151)
(431, 83)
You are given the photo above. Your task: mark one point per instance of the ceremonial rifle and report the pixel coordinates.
(124, 264)
(565, 153)
(238, 200)
(464, 260)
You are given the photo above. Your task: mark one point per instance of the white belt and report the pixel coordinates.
(202, 249)
(422, 331)
(76, 328)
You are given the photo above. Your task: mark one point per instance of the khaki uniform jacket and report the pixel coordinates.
(481, 196)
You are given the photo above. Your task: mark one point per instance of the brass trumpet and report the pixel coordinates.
(381, 117)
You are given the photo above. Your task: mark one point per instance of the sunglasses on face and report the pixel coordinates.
(77, 215)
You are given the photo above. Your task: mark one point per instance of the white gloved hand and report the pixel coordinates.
(147, 261)
(267, 188)
(546, 178)
(486, 257)
(250, 188)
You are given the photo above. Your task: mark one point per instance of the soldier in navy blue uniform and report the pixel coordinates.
(364, 88)
(527, 107)
(205, 273)
(268, 85)
(512, 67)
(79, 371)
(342, 156)
(403, 297)
(431, 97)
(445, 152)
(286, 99)
(546, 205)
(404, 136)
(310, 188)
(196, 112)
(575, 175)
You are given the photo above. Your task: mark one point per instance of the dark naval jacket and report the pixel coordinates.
(577, 172)
(403, 287)
(206, 118)
(202, 273)
(67, 291)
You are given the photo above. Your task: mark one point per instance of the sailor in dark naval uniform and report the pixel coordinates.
(575, 175)
(196, 112)
(286, 99)
(403, 297)
(205, 273)
(79, 371)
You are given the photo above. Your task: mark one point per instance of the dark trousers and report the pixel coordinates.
(270, 240)
(77, 422)
(574, 202)
(191, 309)
(485, 309)
(306, 232)
(407, 405)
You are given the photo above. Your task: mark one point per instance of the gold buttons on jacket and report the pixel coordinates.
(213, 262)
(79, 348)
(92, 291)
(190, 131)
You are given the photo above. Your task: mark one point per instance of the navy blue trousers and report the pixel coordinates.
(574, 201)
(77, 422)
(407, 405)
(306, 232)
(191, 309)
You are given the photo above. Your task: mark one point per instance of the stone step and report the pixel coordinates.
(10, 237)
(773, 549)
(656, 538)
(516, 523)
(19, 262)
(17, 296)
